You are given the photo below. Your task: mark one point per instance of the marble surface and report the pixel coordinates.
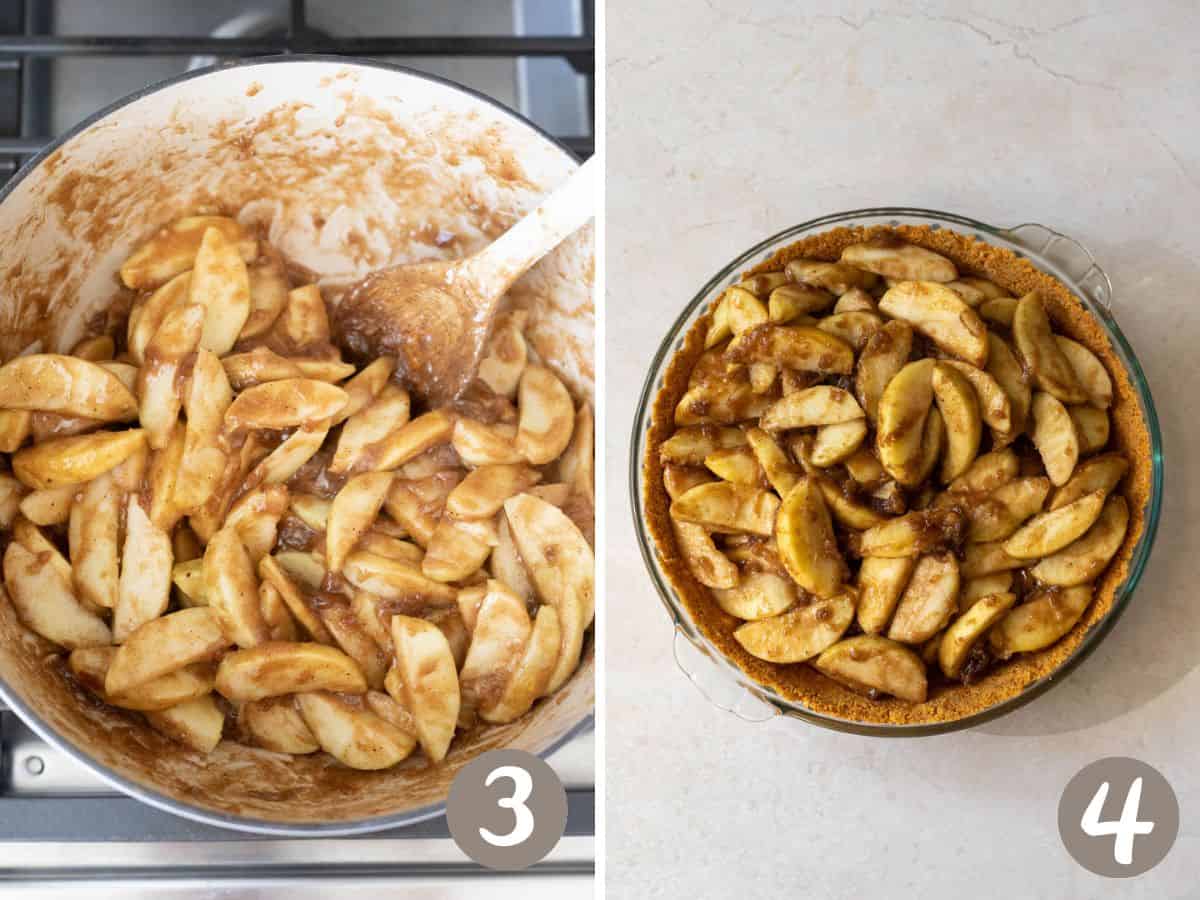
(728, 121)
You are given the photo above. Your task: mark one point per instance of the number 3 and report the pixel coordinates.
(1124, 829)
(523, 816)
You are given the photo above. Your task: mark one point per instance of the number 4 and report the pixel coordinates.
(522, 814)
(1124, 829)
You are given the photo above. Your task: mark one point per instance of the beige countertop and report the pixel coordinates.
(729, 121)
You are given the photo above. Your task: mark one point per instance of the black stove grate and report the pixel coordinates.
(27, 44)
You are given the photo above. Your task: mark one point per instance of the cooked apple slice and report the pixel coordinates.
(721, 402)
(289, 403)
(994, 406)
(532, 673)
(775, 463)
(280, 624)
(506, 354)
(1091, 426)
(1040, 621)
(941, 315)
(821, 405)
(353, 510)
(872, 665)
(1051, 531)
(147, 315)
(94, 531)
(273, 572)
(268, 285)
(561, 567)
(929, 600)
(807, 546)
(479, 444)
(547, 416)
(1000, 310)
(971, 294)
(895, 258)
(287, 459)
(75, 460)
(144, 588)
(881, 359)
(232, 590)
(506, 565)
(1089, 372)
(1051, 369)
(351, 733)
(689, 446)
(258, 366)
(855, 328)
(757, 595)
(1101, 473)
(165, 645)
(1055, 437)
(718, 324)
(1002, 512)
(855, 300)
(256, 516)
(173, 250)
(204, 457)
(738, 465)
(384, 414)
(321, 369)
(837, 277)
(483, 492)
(498, 641)
(921, 531)
(933, 441)
(987, 472)
(188, 578)
(903, 409)
(221, 285)
(797, 347)
(275, 668)
(458, 548)
(743, 310)
(429, 686)
(987, 559)
(410, 441)
(800, 633)
(49, 382)
(728, 508)
(394, 578)
(416, 505)
(576, 467)
(763, 283)
(365, 387)
(1084, 559)
(962, 635)
(880, 583)
(847, 512)
(276, 724)
(960, 409)
(1009, 374)
(41, 594)
(51, 506)
(791, 301)
(170, 690)
(836, 442)
(303, 325)
(975, 589)
(159, 384)
(196, 724)
(15, 427)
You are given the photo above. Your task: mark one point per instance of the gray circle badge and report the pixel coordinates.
(1118, 817)
(506, 809)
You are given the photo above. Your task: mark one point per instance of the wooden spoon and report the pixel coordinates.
(434, 317)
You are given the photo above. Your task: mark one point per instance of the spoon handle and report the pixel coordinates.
(562, 213)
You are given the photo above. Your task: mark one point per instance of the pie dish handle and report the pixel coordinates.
(714, 682)
(1068, 255)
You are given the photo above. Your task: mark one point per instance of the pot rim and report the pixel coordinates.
(149, 796)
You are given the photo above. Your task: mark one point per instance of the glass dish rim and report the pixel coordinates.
(680, 618)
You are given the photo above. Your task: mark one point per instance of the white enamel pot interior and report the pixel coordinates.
(349, 166)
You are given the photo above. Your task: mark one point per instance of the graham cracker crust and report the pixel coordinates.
(802, 684)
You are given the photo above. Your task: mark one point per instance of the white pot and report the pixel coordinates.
(351, 166)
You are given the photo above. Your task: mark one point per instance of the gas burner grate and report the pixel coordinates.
(27, 45)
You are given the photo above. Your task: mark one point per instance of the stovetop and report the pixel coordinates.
(62, 831)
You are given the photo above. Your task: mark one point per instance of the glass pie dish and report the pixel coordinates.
(727, 684)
